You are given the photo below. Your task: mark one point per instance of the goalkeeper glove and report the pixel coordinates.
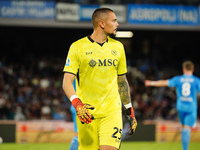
(131, 118)
(82, 111)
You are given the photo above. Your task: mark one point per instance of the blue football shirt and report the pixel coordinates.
(187, 87)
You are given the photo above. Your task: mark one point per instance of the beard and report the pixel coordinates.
(113, 33)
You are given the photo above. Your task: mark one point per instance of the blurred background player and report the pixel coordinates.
(100, 63)
(187, 86)
(74, 142)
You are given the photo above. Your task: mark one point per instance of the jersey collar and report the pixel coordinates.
(101, 44)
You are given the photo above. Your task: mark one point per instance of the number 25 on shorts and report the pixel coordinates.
(117, 134)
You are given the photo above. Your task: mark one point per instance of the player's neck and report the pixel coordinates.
(188, 73)
(99, 37)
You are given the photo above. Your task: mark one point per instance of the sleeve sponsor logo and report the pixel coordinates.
(68, 62)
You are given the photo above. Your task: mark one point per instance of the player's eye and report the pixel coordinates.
(114, 20)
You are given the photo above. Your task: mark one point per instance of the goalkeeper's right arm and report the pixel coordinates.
(81, 109)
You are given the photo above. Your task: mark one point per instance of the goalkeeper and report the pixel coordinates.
(99, 64)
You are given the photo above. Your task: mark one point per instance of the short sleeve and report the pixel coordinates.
(122, 68)
(172, 82)
(198, 84)
(72, 61)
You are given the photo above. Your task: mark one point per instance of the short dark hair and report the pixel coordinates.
(188, 65)
(97, 14)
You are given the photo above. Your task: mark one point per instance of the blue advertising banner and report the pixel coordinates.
(162, 14)
(86, 11)
(27, 9)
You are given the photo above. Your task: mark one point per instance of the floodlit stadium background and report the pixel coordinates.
(35, 37)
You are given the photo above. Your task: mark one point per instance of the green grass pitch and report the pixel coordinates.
(124, 146)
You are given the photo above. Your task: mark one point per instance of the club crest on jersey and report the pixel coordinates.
(68, 62)
(114, 52)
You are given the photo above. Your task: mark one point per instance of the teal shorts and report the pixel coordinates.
(187, 118)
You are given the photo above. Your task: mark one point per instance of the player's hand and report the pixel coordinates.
(82, 111)
(132, 120)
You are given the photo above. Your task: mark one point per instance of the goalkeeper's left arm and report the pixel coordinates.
(124, 92)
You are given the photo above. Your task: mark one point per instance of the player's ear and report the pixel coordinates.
(102, 24)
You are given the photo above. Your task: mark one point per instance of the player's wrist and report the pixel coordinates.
(153, 83)
(129, 110)
(75, 101)
(73, 97)
(129, 105)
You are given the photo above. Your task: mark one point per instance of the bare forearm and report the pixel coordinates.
(68, 85)
(159, 83)
(124, 91)
(69, 89)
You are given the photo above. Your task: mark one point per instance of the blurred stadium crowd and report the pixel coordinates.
(33, 90)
